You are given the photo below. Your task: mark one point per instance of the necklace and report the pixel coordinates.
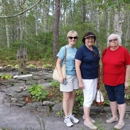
(89, 47)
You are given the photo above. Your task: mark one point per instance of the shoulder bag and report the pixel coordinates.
(55, 74)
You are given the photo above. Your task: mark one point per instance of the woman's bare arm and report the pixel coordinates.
(78, 71)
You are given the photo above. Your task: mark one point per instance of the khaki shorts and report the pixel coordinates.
(71, 85)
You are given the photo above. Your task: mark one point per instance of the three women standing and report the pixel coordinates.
(116, 73)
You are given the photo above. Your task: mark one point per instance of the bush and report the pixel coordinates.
(38, 93)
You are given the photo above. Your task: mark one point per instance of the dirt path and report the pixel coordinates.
(16, 118)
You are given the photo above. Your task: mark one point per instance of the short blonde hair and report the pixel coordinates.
(72, 32)
(114, 35)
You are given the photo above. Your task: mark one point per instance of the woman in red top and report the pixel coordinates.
(116, 73)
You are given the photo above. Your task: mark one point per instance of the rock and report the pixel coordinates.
(7, 104)
(22, 76)
(14, 95)
(57, 107)
(11, 91)
(35, 77)
(47, 85)
(41, 81)
(44, 109)
(47, 103)
(29, 82)
(33, 105)
(20, 104)
(13, 99)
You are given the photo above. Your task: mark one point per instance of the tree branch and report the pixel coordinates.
(22, 3)
(11, 16)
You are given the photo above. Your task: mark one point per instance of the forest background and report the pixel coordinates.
(41, 26)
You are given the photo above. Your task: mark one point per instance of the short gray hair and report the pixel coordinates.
(114, 35)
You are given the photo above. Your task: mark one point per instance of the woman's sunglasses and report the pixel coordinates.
(73, 37)
(113, 40)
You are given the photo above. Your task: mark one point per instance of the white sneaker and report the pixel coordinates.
(68, 122)
(73, 119)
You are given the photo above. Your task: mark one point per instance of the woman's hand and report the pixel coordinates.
(126, 85)
(61, 79)
(81, 85)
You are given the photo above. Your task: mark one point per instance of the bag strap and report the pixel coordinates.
(65, 55)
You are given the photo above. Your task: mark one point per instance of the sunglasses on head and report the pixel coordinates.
(73, 37)
(113, 40)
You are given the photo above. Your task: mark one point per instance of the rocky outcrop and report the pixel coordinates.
(32, 78)
(16, 95)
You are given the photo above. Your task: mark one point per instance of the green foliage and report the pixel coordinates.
(7, 55)
(47, 66)
(100, 125)
(38, 93)
(38, 47)
(55, 84)
(79, 98)
(37, 30)
(6, 76)
(31, 66)
(4, 129)
(60, 113)
(106, 102)
(127, 96)
(9, 66)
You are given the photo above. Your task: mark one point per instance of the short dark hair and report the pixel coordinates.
(88, 34)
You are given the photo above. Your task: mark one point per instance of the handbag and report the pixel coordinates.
(99, 97)
(55, 74)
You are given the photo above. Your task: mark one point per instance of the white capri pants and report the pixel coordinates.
(89, 91)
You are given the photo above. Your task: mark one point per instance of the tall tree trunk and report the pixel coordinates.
(97, 20)
(7, 33)
(20, 28)
(84, 10)
(45, 14)
(13, 30)
(73, 12)
(63, 15)
(108, 23)
(36, 26)
(118, 20)
(121, 20)
(92, 14)
(56, 28)
(97, 26)
(127, 29)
